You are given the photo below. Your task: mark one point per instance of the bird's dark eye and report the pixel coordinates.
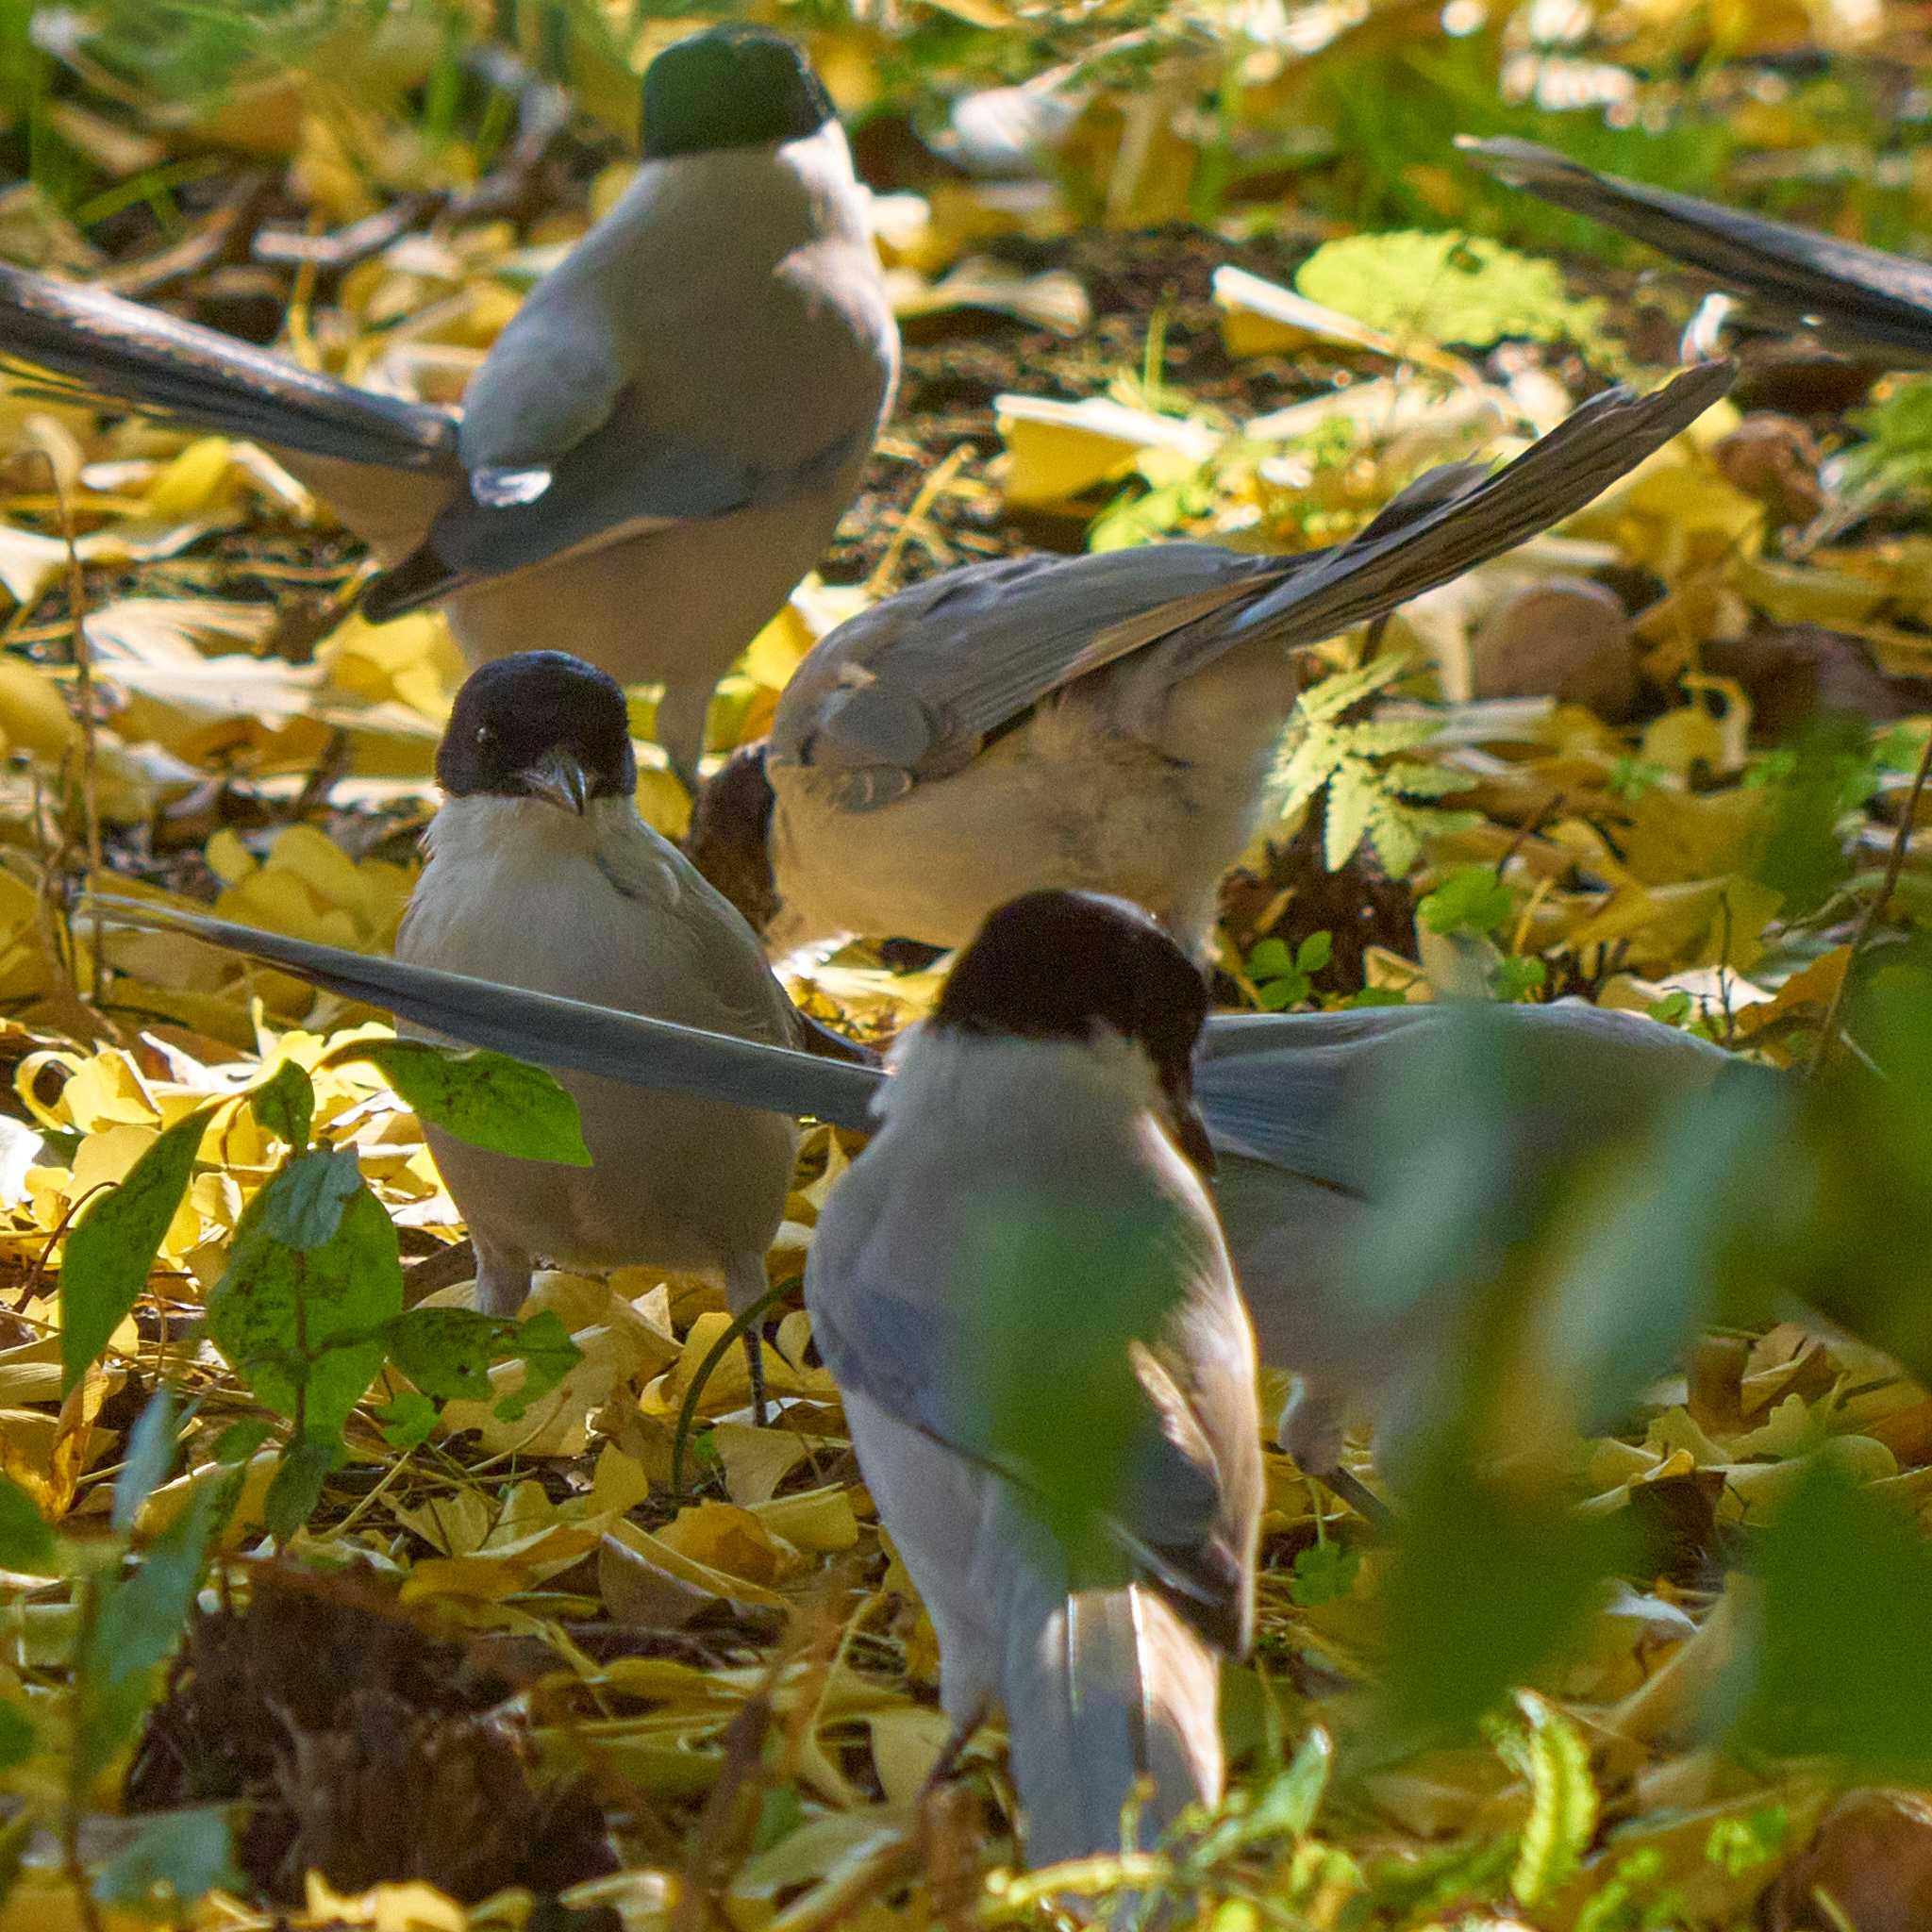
(485, 735)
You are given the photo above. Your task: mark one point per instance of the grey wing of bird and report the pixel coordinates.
(1293, 1089)
(624, 478)
(1280, 1093)
(1278, 1089)
(916, 683)
(546, 1030)
(1396, 558)
(1176, 1512)
(101, 344)
(719, 953)
(1859, 297)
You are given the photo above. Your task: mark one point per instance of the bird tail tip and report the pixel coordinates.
(1112, 1702)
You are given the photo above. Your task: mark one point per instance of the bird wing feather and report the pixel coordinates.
(101, 344)
(1860, 297)
(914, 685)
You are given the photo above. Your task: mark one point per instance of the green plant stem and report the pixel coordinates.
(735, 1331)
(74, 1791)
(1894, 865)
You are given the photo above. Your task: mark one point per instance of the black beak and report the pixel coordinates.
(559, 778)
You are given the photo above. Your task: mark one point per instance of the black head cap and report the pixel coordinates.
(1059, 965)
(523, 726)
(733, 85)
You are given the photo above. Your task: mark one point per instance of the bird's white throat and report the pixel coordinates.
(482, 830)
(948, 1075)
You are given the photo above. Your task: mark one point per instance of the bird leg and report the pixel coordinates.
(747, 1294)
(503, 1278)
(755, 1367)
(948, 1762)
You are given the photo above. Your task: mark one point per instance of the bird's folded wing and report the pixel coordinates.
(1294, 1089)
(551, 1032)
(1279, 1093)
(695, 931)
(915, 683)
(913, 1357)
(626, 479)
(1859, 297)
(182, 373)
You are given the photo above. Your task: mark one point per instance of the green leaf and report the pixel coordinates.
(1741, 1844)
(1270, 958)
(1283, 978)
(1346, 817)
(139, 1619)
(1421, 1886)
(303, 1327)
(485, 1098)
(26, 1541)
(1426, 781)
(1063, 1288)
(1518, 976)
(780, 1813)
(150, 1450)
(1895, 459)
(1324, 1572)
(1374, 738)
(447, 1352)
(296, 1487)
(410, 1421)
(173, 1858)
(304, 1203)
(1447, 287)
(1621, 1310)
(1618, 1906)
(1470, 899)
(238, 1442)
(544, 1347)
(1563, 1801)
(1284, 1806)
(1631, 777)
(1395, 836)
(1842, 1666)
(1488, 1584)
(17, 1736)
(111, 1251)
(1334, 695)
(284, 1103)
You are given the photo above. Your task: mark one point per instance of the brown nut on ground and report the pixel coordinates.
(1774, 460)
(1870, 1866)
(1560, 637)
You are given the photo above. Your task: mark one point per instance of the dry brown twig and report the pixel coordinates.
(83, 671)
